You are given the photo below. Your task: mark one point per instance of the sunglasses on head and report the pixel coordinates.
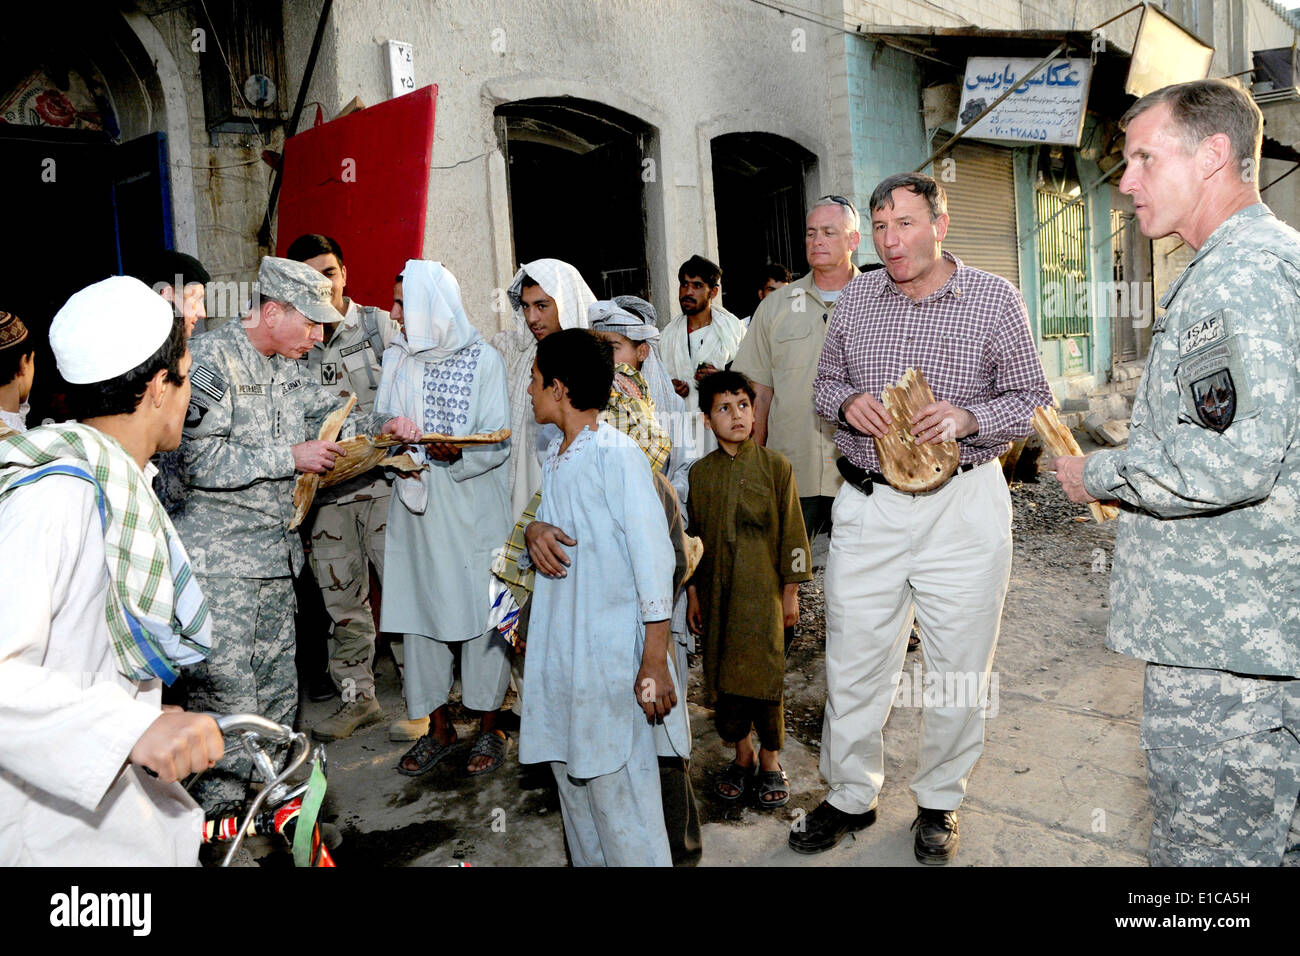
(839, 199)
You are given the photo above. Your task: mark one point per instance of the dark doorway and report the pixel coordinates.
(576, 189)
(82, 209)
(759, 198)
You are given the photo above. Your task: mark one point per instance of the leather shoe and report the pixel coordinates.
(936, 835)
(823, 828)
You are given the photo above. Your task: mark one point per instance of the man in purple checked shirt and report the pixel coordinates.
(944, 554)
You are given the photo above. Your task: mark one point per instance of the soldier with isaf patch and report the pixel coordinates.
(1206, 578)
(250, 429)
(347, 533)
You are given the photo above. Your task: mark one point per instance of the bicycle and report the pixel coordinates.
(278, 807)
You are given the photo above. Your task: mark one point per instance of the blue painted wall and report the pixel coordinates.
(886, 128)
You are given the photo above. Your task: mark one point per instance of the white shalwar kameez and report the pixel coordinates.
(68, 718)
(683, 352)
(437, 562)
(585, 641)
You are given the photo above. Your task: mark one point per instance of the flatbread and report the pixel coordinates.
(1059, 441)
(364, 452)
(907, 465)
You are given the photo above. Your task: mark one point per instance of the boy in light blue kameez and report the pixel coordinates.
(597, 667)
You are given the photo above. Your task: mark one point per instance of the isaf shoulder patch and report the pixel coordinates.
(1212, 375)
(208, 381)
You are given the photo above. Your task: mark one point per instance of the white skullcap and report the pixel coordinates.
(109, 328)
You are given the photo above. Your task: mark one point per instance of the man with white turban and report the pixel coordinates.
(634, 320)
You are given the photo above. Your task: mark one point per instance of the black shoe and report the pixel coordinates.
(321, 687)
(823, 828)
(936, 835)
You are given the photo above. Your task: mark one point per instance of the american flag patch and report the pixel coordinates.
(208, 382)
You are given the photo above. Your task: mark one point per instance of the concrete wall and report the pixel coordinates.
(990, 14)
(220, 184)
(886, 127)
(690, 70)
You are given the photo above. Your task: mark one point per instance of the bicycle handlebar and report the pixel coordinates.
(254, 723)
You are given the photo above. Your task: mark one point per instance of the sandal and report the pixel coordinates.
(737, 778)
(773, 781)
(489, 744)
(426, 753)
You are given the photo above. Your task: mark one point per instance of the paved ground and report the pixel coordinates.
(1061, 781)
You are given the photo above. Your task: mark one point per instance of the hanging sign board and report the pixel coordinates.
(1048, 108)
(1164, 53)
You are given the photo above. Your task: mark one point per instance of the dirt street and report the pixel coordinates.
(1061, 780)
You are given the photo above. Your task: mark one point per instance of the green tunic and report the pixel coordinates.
(746, 510)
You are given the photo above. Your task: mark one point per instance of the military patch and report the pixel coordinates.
(288, 387)
(1213, 328)
(194, 414)
(1215, 388)
(360, 346)
(208, 381)
(1215, 398)
(251, 389)
(329, 373)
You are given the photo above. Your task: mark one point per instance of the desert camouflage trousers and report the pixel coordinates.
(250, 670)
(345, 540)
(1223, 767)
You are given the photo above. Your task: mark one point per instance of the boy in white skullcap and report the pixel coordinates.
(100, 606)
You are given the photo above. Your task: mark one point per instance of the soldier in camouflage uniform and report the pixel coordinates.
(347, 533)
(1206, 579)
(249, 430)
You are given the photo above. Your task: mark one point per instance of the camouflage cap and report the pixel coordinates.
(299, 285)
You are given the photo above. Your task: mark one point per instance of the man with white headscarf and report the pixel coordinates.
(546, 295)
(447, 522)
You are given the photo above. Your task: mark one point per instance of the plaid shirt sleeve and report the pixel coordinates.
(1019, 383)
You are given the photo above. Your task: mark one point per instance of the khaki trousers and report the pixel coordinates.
(945, 555)
(345, 540)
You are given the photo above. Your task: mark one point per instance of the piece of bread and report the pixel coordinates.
(364, 452)
(304, 489)
(907, 465)
(1059, 441)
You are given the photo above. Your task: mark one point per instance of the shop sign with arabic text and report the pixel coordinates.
(1048, 108)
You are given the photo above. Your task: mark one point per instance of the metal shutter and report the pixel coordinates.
(982, 207)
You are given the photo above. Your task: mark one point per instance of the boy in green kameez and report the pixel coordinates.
(744, 597)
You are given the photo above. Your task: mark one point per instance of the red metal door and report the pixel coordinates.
(364, 180)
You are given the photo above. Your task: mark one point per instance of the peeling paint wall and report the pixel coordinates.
(229, 181)
(691, 70)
